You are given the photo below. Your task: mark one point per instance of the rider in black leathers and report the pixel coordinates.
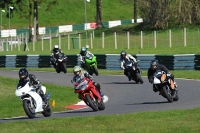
(55, 51)
(154, 66)
(33, 81)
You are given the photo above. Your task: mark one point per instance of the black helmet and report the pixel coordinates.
(83, 51)
(23, 73)
(123, 54)
(153, 64)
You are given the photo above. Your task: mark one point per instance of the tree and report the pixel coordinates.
(99, 14)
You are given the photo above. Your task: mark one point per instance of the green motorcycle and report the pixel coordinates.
(91, 65)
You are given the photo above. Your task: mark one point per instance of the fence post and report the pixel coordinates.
(68, 36)
(91, 38)
(155, 40)
(128, 39)
(18, 43)
(59, 38)
(170, 38)
(141, 39)
(115, 36)
(50, 41)
(11, 45)
(7, 45)
(185, 43)
(79, 36)
(103, 35)
(42, 41)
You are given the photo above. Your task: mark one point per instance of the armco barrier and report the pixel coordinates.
(107, 61)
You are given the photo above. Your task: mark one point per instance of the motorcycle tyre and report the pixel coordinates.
(57, 69)
(64, 68)
(95, 70)
(101, 105)
(47, 111)
(91, 102)
(139, 77)
(176, 98)
(27, 110)
(166, 95)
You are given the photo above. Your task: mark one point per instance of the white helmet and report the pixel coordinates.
(56, 46)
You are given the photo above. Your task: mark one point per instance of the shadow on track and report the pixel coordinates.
(121, 83)
(148, 103)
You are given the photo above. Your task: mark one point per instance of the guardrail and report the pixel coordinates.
(107, 61)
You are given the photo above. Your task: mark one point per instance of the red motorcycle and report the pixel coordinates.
(89, 94)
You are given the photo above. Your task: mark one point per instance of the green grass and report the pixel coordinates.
(178, 121)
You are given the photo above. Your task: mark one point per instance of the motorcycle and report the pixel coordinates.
(60, 63)
(88, 93)
(164, 85)
(134, 72)
(32, 101)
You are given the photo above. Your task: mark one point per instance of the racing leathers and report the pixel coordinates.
(82, 58)
(162, 68)
(33, 81)
(125, 61)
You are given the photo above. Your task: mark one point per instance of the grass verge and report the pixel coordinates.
(180, 121)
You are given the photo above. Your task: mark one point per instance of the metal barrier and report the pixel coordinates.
(107, 61)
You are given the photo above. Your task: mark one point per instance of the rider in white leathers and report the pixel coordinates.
(126, 59)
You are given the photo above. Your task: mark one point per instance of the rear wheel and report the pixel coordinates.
(91, 102)
(30, 111)
(101, 105)
(139, 78)
(47, 110)
(167, 94)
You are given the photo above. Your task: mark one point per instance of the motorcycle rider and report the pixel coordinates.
(55, 51)
(154, 66)
(79, 75)
(24, 76)
(84, 53)
(126, 59)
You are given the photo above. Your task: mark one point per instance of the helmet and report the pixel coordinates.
(77, 70)
(56, 48)
(153, 64)
(23, 73)
(123, 54)
(83, 51)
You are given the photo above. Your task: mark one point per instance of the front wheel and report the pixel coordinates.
(91, 102)
(30, 111)
(64, 67)
(167, 94)
(95, 70)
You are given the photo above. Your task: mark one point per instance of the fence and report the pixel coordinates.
(107, 61)
(126, 40)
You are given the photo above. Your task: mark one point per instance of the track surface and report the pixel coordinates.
(124, 96)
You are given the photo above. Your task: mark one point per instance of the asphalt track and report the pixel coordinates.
(124, 96)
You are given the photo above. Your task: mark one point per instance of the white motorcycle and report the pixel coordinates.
(32, 101)
(163, 83)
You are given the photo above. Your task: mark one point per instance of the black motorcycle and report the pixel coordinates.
(60, 63)
(134, 72)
